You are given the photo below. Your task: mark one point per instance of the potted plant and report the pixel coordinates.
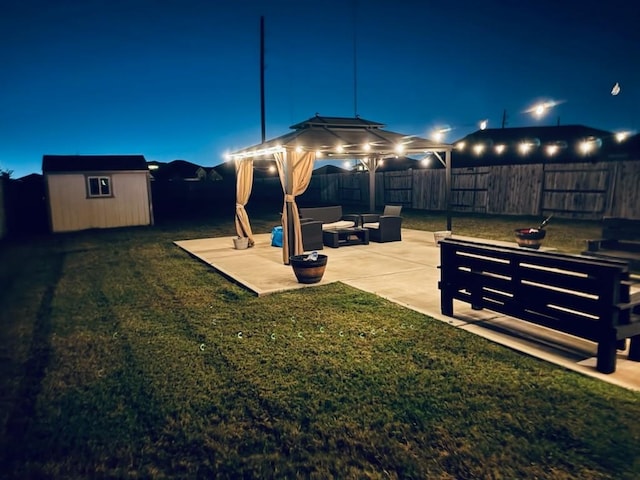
(308, 268)
(240, 243)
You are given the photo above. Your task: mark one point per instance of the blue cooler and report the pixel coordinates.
(276, 237)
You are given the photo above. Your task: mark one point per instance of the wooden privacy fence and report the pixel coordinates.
(587, 190)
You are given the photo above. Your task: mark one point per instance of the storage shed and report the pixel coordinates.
(97, 191)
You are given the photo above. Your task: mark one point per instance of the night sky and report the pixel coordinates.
(181, 79)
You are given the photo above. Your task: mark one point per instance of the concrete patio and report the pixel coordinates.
(406, 273)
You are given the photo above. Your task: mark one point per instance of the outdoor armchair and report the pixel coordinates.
(386, 227)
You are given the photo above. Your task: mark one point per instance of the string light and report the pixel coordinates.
(381, 148)
(525, 147)
(588, 145)
(256, 153)
(540, 109)
(622, 136)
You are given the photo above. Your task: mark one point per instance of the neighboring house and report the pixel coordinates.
(181, 170)
(97, 191)
(626, 148)
(329, 169)
(261, 169)
(546, 144)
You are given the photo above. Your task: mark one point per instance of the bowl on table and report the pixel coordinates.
(530, 237)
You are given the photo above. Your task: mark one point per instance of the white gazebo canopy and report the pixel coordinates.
(325, 138)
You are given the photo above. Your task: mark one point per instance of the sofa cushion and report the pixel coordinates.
(337, 225)
(371, 225)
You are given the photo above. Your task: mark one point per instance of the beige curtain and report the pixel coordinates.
(295, 171)
(244, 183)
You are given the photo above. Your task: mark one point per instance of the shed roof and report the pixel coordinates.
(92, 163)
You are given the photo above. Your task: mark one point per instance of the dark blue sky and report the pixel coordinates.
(180, 79)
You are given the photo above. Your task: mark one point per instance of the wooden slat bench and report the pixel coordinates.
(585, 297)
(620, 240)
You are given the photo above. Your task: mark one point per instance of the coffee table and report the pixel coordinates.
(345, 236)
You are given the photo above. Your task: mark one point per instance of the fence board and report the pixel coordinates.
(350, 189)
(469, 189)
(515, 189)
(429, 190)
(576, 190)
(398, 188)
(625, 196)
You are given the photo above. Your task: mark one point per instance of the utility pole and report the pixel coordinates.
(504, 118)
(262, 119)
(355, 58)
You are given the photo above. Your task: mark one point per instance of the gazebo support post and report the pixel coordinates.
(373, 163)
(448, 187)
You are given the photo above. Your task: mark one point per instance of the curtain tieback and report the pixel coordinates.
(289, 198)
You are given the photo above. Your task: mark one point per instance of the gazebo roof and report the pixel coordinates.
(340, 137)
(337, 122)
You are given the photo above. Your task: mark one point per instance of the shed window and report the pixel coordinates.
(99, 186)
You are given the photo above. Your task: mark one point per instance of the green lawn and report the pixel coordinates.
(123, 357)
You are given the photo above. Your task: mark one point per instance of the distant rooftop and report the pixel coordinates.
(542, 133)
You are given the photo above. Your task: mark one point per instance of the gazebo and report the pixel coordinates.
(324, 138)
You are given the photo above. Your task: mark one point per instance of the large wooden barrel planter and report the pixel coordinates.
(308, 271)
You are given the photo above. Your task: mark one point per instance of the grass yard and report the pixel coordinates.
(123, 357)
